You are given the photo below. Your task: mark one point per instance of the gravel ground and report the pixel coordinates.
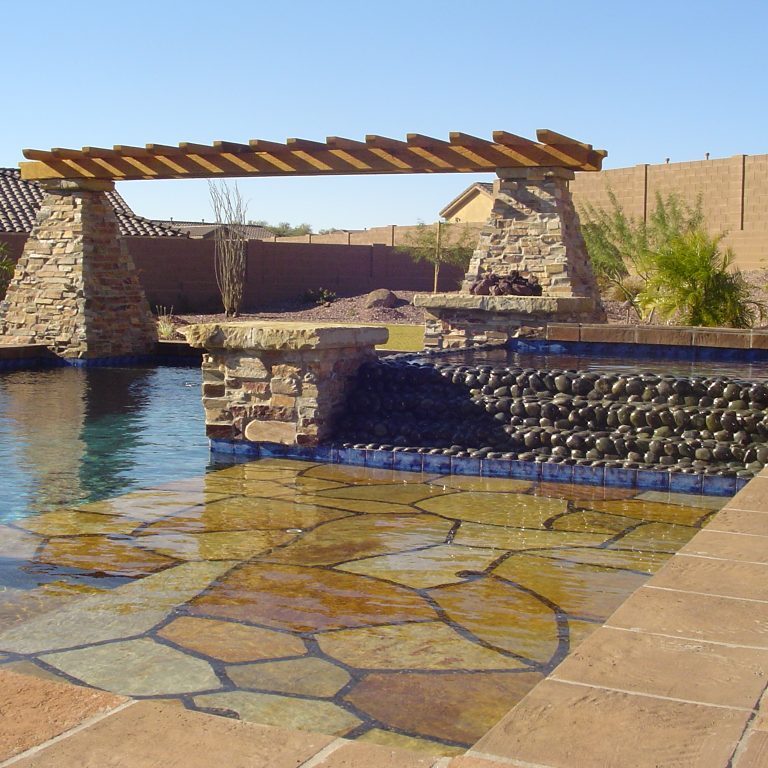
(353, 309)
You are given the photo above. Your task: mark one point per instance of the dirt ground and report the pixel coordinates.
(353, 310)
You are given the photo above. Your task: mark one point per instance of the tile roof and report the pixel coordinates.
(19, 201)
(206, 230)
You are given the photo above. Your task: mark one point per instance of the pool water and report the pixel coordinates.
(663, 365)
(404, 609)
(82, 434)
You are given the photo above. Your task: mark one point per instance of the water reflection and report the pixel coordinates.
(73, 434)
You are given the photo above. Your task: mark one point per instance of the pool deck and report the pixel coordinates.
(676, 677)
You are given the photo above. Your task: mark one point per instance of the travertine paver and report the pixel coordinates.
(565, 725)
(715, 577)
(229, 641)
(693, 616)
(33, 710)
(355, 755)
(136, 668)
(728, 546)
(665, 666)
(151, 734)
(741, 521)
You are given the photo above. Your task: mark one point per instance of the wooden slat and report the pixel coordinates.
(128, 151)
(425, 142)
(232, 147)
(545, 136)
(260, 145)
(338, 142)
(164, 149)
(305, 144)
(37, 154)
(198, 149)
(100, 152)
(383, 142)
(67, 154)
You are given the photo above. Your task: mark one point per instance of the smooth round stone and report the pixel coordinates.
(703, 454)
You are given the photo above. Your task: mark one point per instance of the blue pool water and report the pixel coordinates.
(83, 434)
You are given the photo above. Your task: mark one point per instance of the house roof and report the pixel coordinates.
(205, 230)
(479, 187)
(20, 201)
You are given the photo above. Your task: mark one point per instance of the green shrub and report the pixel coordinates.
(694, 283)
(319, 296)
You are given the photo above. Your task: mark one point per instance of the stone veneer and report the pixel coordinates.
(75, 288)
(278, 382)
(533, 229)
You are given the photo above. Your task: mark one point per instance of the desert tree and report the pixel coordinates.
(440, 243)
(230, 244)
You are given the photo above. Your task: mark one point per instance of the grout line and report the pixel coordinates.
(704, 594)
(710, 529)
(639, 631)
(71, 732)
(650, 695)
(320, 756)
(730, 508)
(720, 559)
(498, 759)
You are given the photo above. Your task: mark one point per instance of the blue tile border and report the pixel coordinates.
(556, 473)
(436, 463)
(410, 462)
(682, 482)
(441, 464)
(586, 475)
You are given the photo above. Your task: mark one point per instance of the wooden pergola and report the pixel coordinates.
(300, 157)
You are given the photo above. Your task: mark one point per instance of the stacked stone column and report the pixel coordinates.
(533, 228)
(75, 288)
(273, 382)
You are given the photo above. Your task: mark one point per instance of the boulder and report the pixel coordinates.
(381, 297)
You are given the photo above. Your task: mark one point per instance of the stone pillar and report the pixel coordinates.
(75, 288)
(278, 382)
(533, 228)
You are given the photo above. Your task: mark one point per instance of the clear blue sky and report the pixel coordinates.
(645, 80)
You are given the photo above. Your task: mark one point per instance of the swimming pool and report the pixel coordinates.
(83, 434)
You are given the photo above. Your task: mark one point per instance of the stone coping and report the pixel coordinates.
(528, 305)
(676, 676)
(268, 335)
(661, 479)
(729, 338)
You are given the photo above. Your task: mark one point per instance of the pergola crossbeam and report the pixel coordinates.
(303, 157)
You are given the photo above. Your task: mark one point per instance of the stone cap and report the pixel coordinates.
(266, 335)
(518, 304)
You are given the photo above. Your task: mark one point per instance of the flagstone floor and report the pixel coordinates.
(404, 609)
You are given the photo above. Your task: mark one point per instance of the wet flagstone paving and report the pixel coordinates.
(403, 609)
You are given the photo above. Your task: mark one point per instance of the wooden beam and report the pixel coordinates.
(382, 142)
(545, 136)
(67, 154)
(425, 142)
(37, 154)
(337, 142)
